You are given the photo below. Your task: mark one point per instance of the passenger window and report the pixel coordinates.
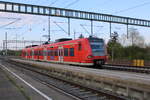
(48, 52)
(52, 52)
(79, 47)
(35, 53)
(41, 53)
(71, 52)
(56, 53)
(66, 52)
(32, 53)
(38, 53)
(26, 53)
(45, 53)
(61, 52)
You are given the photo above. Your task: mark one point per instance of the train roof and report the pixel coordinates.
(31, 46)
(63, 39)
(67, 41)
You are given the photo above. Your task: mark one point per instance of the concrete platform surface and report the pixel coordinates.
(128, 76)
(131, 84)
(8, 91)
(34, 89)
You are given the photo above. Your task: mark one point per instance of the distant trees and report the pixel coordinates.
(11, 52)
(129, 48)
(81, 36)
(133, 39)
(114, 49)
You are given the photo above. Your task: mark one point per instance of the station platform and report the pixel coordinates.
(8, 89)
(132, 85)
(17, 85)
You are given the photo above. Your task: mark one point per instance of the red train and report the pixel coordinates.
(85, 51)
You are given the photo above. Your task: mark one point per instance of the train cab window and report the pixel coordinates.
(71, 52)
(66, 52)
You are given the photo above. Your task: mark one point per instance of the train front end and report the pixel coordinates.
(98, 48)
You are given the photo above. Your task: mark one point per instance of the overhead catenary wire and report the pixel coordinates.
(49, 21)
(105, 2)
(9, 18)
(60, 27)
(72, 3)
(53, 2)
(84, 28)
(131, 8)
(9, 23)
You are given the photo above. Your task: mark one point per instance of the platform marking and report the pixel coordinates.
(36, 90)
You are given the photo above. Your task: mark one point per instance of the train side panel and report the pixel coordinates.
(79, 52)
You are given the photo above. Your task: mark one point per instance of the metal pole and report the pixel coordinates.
(3, 45)
(92, 27)
(112, 54)
(69, 26)
(132, 39)
(110, 28)
(16, 42)
(74, 34)
(6, 44)
(127, 31)
(49, 31)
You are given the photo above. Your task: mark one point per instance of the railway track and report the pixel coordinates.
(128, 68)
(145, 70)
(75, 90)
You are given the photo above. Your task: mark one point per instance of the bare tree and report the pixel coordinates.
(134, 38)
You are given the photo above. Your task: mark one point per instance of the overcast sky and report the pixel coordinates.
(32, 27)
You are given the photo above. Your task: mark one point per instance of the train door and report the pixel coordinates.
(26, 55)
(45, 54)
(38, 54)
(32, 54)
(60, 54)
(79, 52)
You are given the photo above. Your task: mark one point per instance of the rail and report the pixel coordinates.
(76, 90)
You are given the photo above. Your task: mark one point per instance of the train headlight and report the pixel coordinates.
(89, 56)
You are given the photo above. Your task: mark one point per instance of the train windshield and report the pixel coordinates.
(97, 46)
